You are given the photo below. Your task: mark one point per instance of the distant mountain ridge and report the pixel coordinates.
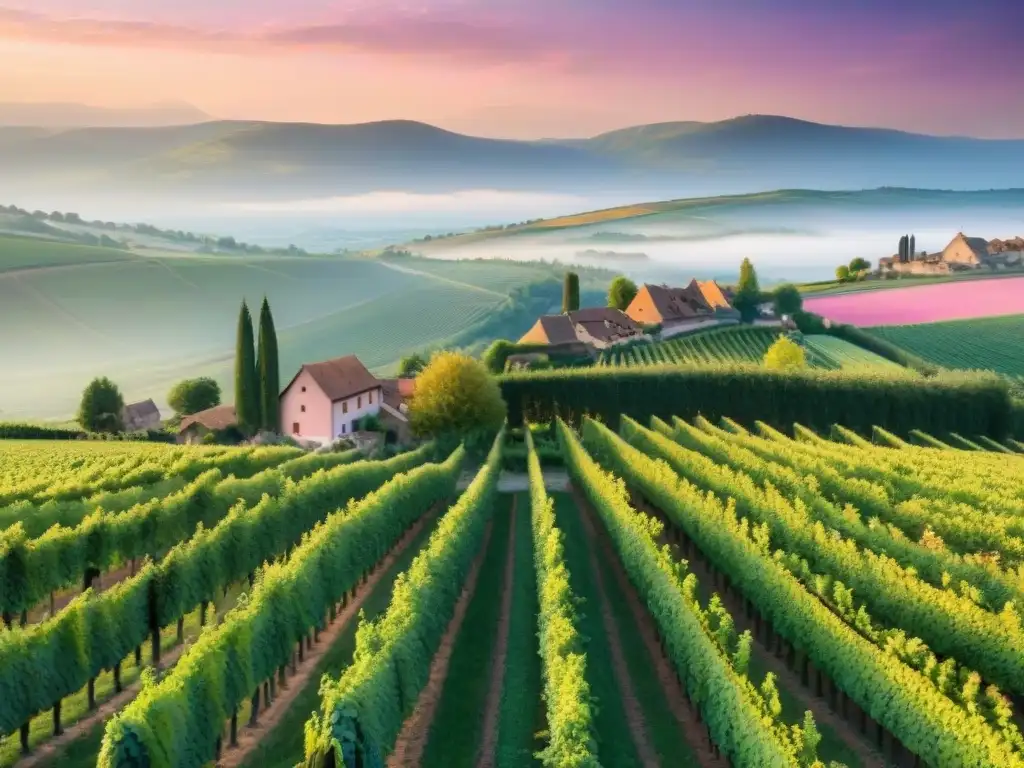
(70, 115)
(297, 160)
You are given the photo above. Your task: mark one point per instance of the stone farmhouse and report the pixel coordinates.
(141, 416)
(193, 428)
(962, 253)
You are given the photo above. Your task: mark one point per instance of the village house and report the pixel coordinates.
(693, 305)
(326, 400)
(962, 253)
(599, 327)
(195, 427)
(141, 416)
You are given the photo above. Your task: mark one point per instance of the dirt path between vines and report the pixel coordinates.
(250, 738)
(492, 708)
(412, 740)
(684, 713)
(101, 584)
(819, 707)
(630, 702)
(103, 711)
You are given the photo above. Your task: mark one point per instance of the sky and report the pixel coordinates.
(530, 68)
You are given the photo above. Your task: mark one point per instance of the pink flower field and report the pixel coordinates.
(923, 304)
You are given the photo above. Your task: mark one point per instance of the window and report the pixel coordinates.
(343, 429)
(371, 398)
(359, 402)
(344, 406)
(295, 428)
(302, 408)
(303, 389)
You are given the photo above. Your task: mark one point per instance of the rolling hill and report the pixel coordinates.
(292, 160)
(148, 318)
(67, 115)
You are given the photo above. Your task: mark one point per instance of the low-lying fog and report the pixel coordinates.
(802, 240)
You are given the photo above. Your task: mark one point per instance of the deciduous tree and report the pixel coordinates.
(193, 395)
(787, 300)
(785, 354)
(455, 395)
(101, 407)
(621, 293)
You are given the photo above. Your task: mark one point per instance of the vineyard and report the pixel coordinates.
(692, 593)
(992, 343)
(739, 345)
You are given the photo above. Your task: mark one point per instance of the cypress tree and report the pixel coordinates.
(247, 405)
(912, 248)
(748, 292)
(571, 292)
(269, 371)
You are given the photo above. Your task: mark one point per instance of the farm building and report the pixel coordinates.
(193, 428)
(141, 416)
(599, 327)
(325, 400)
(394, 409)
(670, 307)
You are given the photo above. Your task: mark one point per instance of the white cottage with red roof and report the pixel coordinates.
(326, 400)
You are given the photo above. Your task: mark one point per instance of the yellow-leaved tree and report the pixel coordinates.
(455, 395)
(785, 354)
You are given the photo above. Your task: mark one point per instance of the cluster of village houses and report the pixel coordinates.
(962, 253)
(326, 401)
(699, 305)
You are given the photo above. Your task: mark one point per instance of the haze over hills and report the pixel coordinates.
(69, 115)
(289, 161)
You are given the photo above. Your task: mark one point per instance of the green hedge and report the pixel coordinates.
(15, 431)
(968, 403)
(181, 719)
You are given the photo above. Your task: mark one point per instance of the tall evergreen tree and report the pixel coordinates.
(571, 292)
(269, 371)
(748, 292)
(904, 245)
(247, 387)
(912, 248)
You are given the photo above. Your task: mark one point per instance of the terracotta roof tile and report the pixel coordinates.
(339, 378)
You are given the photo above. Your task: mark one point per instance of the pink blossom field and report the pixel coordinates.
(923, 304)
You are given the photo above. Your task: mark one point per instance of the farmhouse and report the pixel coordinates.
(141, 416)
(193, 428)
(326, 400)
(600, 327)
(962, 253)
(670, 307)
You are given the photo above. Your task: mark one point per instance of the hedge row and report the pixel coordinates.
(179, 721)
(17, 431)
(45, 662)
(567, 699)
(363, 711)
(968, 403)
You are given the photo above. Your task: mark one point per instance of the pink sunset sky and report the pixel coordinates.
(527, 68)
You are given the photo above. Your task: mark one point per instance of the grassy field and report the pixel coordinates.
(18, 252)
(149, 321)
(991, 343)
